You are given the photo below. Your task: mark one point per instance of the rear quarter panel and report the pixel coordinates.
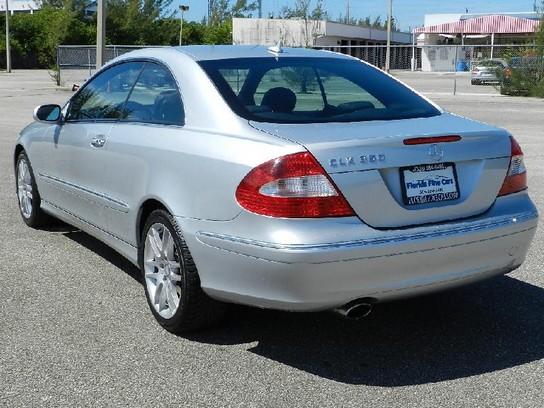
(194, 173)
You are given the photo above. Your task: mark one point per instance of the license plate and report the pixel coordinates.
(429, 183)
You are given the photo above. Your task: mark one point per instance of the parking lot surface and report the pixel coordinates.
(75, 329)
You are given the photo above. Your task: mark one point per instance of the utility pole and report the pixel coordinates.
(183, 9)
(388, 51)
(8, 52)
(347, 12)
(260, 8)
(100, 33)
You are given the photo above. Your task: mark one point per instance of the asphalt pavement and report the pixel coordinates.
(75, 329)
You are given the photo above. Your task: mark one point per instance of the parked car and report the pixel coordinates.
(487, 71)
(290, 179)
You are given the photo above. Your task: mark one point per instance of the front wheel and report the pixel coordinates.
(27, 194)
(171, 280)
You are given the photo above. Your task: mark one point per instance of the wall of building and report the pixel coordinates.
(439, 59)
(300, 33)
(265, 31)
(20, 6)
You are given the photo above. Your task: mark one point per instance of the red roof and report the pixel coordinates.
(498, 24)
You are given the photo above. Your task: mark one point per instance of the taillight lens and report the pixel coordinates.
(292, 186)
(507, 72)
(516, 178)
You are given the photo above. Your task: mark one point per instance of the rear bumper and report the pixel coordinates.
(485, 78)
(304, 269)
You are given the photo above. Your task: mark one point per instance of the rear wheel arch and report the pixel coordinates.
(18, 149)
(194, 309)
(145, 210)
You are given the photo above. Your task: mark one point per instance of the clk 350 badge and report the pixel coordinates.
(353, 161)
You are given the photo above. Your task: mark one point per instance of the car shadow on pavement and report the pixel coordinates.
(489, 326)
(104, 251)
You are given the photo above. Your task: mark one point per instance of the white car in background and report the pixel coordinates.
(487, 71)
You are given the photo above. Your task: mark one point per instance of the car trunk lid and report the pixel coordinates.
(371, 165)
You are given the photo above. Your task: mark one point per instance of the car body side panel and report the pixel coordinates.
(192, 172)
(74, 170)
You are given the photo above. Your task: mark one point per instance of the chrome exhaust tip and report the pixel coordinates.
(356, 309)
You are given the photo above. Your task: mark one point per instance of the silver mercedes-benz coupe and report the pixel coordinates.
(290, 179)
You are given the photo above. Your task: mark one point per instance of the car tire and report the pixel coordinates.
(169, 272)
(475, 82)
(28, 197)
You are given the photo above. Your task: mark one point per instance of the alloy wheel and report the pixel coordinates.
(24, 188)
(162, 270)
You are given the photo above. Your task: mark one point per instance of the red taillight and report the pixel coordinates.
(292, 186)
(507, 72)
(430, 140)
(516, 178)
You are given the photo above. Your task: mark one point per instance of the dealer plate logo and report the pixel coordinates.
(436, 152)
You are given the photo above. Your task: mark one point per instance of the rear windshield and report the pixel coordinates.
(313, 90)
(490, 63)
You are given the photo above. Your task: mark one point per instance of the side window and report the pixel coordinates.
(105, 95)
(342, 92)
(290, 89)
(235, 78)
(155, 98)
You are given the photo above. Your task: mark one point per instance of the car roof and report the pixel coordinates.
(492, 60)
(216, 52)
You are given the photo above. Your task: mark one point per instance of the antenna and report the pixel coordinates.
(276, 49)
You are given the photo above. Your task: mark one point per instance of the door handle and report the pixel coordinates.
(98, 141)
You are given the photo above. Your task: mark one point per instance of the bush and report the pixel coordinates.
(524, 75)
(34, 37)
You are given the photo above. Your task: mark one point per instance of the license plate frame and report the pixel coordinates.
(440, 171)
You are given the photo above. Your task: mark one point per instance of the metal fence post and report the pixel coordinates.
(89, 61)
(455, 72)
(58, 65)
(413, 61)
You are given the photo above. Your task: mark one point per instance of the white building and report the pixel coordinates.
(20, 6)
(479, 36)
(320, 33)
(298, 33)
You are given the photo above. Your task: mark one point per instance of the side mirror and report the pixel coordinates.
(47, 113)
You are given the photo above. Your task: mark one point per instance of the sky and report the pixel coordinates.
(409, 13)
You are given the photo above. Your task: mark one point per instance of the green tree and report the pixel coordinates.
(540, 34)
(368, 22)
(218, 33)
(310, 14)
(139, 22)
(35, 37)
(303, 9)
(301, 77)
(221, 11)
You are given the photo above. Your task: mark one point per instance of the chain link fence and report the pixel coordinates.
(467, 65)
(77, 63)
(433, 58)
